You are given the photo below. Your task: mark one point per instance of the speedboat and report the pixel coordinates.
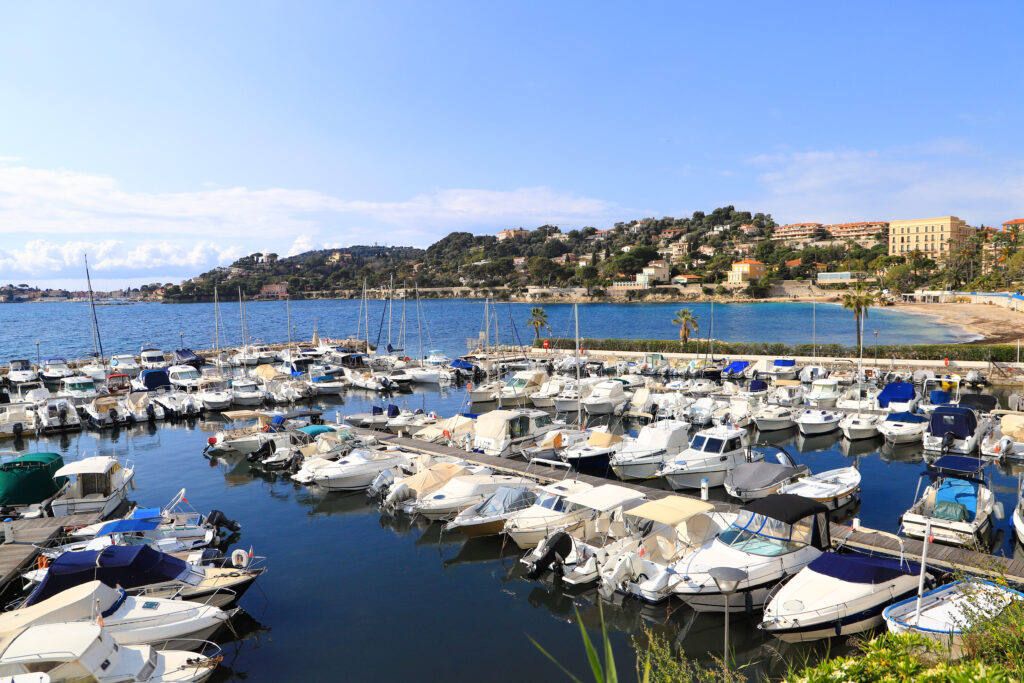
(141, 407)
(354, 471)
(955, 429)
(124, 363)
(88, 652)
(488, 517)
(898, 397)
(593, 455)
(859, 397)
(781, 368)
(460, 493)
(552, 510)
(773, 537)
(245, 392)
(739, 412)
(20, 371)
(832, 488)
(787, 392)
(519, 387)
(838, 595)
(956, 506)
(750, 480)
(507, 432)
(57, 415)
(184, 377)
(818, 421)
(823, 394)
(643, 456)
(903, 427)
(28, 482)
(105, 412)
(860, 426)
(54, 370)
(214, 393)
(700, 412)
(711, 454)
(153, 359)
(1006, 439)
(18, 419)
(98, 485)
(606, 397)
(130, 620)
(772, 418)
(568, 400)
(946, 613)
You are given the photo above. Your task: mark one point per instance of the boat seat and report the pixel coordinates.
(618, 529)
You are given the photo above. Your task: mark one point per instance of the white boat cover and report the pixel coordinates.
(99, 464)
(493, 425)
(671, 510)
(85, 602)
(433, 478)
(606, 497)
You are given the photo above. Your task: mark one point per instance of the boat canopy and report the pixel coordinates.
(964, 465)
(316, 430)
(758, 385)
(434, 477)
(758, 475)
(736, 366)
(784, 362)
(785, 507)
(938, 396)
(492, 425)
(241, 414)
(606, 497)
(186, 356)
(115, 565)
(602, 439)
(75, 604)
(460, 364)
(30, 478)
(154, 379)
(858, 568)
(671, 510)
(898, 392)
(127, 526)
(146, 513)
(99, 464)
(507, 499)
(906, 417)
(986, 403)
(956, 500)
(55, 359)
(946, 418)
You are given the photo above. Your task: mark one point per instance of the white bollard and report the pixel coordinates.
(704, 488)
(8, 531)
(855, 524)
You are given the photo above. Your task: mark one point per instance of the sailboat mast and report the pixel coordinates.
(366, 312)
(97, 342)
(216, 325)
(288, 320)
(579, 388)
(391, 305)
(419, 320)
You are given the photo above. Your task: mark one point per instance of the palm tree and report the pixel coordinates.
(538, 319)
(858, 301)
(687, 323)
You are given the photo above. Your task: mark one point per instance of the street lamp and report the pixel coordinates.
(181, 340)
(727, 579)
(876, 347)
(38, 360)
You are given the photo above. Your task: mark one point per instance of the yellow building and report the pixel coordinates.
(746, 270)
(933, 237)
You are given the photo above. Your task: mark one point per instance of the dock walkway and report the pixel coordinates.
(16, 556)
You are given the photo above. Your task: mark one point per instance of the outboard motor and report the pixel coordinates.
(18, 428)
(218, 519)
(112, 414)
(552, 554)
(62, 415)
(948, 439)
(1005, 446)
(397, 495)
(381, 483)
(150, 412)
(266, 449)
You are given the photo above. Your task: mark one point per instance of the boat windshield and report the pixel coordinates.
(191, 373)
(516, 383)
(17, 365)
(81, 385)
(760, 535)
(552, 501)
(543, 421)
(706, 444)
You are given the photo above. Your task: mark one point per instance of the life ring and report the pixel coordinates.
(266, 428)
(239, 559)
(42, 562)
(446, 434)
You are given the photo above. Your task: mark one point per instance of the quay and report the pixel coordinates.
(949, 559)
(18, 553)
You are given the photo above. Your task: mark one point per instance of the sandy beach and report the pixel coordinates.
(995, 324)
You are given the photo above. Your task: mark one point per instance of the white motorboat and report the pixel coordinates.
(945, 613)
(552, 510)
(177, 404)
(422, 483)
(366, 379)
(937, 391)
(507, 432)
(140, 407)
(756, 389)
(18, 419)
(594, 454)
(898, 397)
(903, 427)
(859, 397)
(1006, 438)
(125, 363)
(823, 394)
(488, 517)
(818, 421)
(772, 537)
(99, 484)
(105, 412)
(333, 385)
(245, 392)
(88, 652)
(955, 429)
(1017, 520)
(431, 375)
(517, 390)
(809, 374)
(860, 426)
(57, 415)
(838, 595)
(568, 400)
(354, 471)
(781, 368)
(437, 358)
(956, 505)
(739, 412)
(153, 359)
(128, 619)
(773, 418)
(20, 371)
(701, 387)
(764, 476)
(94, 367)
(184, 377)
(460, 493)
(787, 392)
(832, 488)
(54, 370)
(643, 456)
(544, 397)
(214, 392)
(606, 397)
(410, 421)
(700, 412)
(245, 356)
(711, 454)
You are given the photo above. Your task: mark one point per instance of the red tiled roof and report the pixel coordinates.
(794, 262)
(1016, 221)
(750, 261)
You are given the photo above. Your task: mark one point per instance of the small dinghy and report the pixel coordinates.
(945, 613)
(812, 422)
(766, 475)
(856, 426)
(772, 418)
(903, 427)
(956, 503)
(838, 595)
(833, 488)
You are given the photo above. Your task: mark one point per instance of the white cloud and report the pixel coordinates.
(41, 257)
(940, 177)
(301, 244)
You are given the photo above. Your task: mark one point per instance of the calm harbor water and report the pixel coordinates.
(356, 595)
(65, 328)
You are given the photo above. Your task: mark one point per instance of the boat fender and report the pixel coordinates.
(748, 603)
(239, 559)
(999, 511)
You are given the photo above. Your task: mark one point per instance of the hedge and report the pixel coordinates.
(1003, 353)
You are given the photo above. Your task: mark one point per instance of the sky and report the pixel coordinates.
(163, 139)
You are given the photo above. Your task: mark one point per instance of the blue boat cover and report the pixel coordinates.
(858, 568)
(736, 366)
(961, 421)
(959, 491)
(123, 526)
(186, 356)
(393, 411)
(906, 417)
(316, 430)
(147, 513)
(116, 565)
(758, 385)
(900, 392)
(154, 379)
(460, 364)
(376, 410)
(785, 362)
(958, 464)
(938, 396)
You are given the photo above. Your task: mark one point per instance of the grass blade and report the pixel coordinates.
(557, 663)
(595, 661)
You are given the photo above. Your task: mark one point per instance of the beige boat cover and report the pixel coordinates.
(606, 497)
(458, 426)
(240, 414)
(433, 478)
(1013, 426)
(103, 404)
(494, 425)
(697, 530)
(83, 602)
(603, 439)
(270, 372)
(786, 383)
(640, 397)
(671, 510)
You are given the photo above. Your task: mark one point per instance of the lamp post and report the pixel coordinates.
(181, 340)
(39, 363)
(876, 347)
(727, 579)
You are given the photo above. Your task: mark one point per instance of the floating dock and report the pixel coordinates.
(29, 535)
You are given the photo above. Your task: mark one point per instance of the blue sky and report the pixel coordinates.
(164, 138)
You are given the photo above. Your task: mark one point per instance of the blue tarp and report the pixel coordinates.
(758, 385)
(961, 421)
(961, 464)
(857, 568)
(938, 396)
(147, 513)
(899, 392)
(124, 526)
(785, 363)
(959, 491)
(906, 417)
(116, 565)
(736, 366)
(393, 411)
(460, 364)
(315, 430)
(154, 379)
